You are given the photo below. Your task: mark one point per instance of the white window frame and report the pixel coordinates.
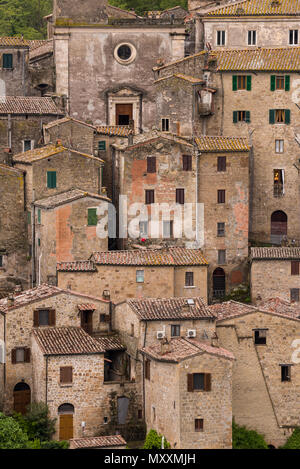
(165, 120)
(222, 37)
(295, 32)
(250, 36)
(31, 144)
(279, 145)
(140, 278)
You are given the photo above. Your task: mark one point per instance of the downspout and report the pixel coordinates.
(33, 266)
(222, 113)
(9, 131)
(144, 392)
(46, 397)
(4, 353)
(40, 257)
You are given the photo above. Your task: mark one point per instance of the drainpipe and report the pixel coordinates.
(9, 131)
(46, 397)
(33, 267)
(40, 267)
(4, 353)
(144, 403)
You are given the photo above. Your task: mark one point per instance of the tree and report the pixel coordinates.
(11, 434)
(153, 441)
(293, 441)
(242, 438)
(36, 422)
(140, 6)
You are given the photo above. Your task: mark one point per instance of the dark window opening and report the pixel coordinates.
(189, 279)
(199, 425)
(7, 61)
(221, 163)
(165, 125)
(221, 196)
(221, 230)
(180, 196)
(295, 295)
(260, 337)
(66, 374)
(187, 162)
(175, 330)
(124, 52)
(278, 177)
(149, 196)
(219, 285)
(285, 373)
(151, 164)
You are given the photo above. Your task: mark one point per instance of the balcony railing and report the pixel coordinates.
(278, 190)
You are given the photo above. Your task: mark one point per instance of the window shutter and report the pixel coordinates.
(235, 117)
(190, 383)
(207, 382)
(287, 83)
(36, 318)
(51, 179)
(14, 356)
(287, 116)
(27, 355)
(248, 116)
(234, 83)
(52, 317)
(66, 374)
(272, 116)
(273, 82)
(295, 267)
(249, 81)
(92, 217)
(180, 196)
(151, 164)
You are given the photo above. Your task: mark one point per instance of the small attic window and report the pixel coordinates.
(190, 302)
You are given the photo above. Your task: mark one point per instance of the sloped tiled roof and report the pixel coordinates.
(20, 42)
(258, 59)
(44, 48)
(222, 144)
(153, 309)
(275, 253)
(280, 306)
(233, 309)
(46, 151)
(67, 197)
(97, 442)
(66, 341)
(76, 266)
(114, 130)
(257, 8)
(64, 120)
(181, 76)
(110, 343)
(181, 349)
(172, 256)
(28, 105)
(86, 307)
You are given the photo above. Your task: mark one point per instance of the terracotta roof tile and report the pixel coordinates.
(153, 309)
(275, 253)
(232, 309)
(110, 343)
(66, 341)
(181, 349)
(76, 266)
(257, 8)
(86, 307)
(222, 144)
(46, 47)
(28, 105)
(64, 120)
(37, 154)
(114, 131)
(97, 442)
(280, 306)
(67, 197)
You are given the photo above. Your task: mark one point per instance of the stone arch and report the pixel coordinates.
(219, 283)
(22, 397)
(279, 226)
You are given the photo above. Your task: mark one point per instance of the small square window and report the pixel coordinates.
(260, 337)
(189, 279)
(175, 330)
(102, 145)
(198, 381)
(66, 374)
(140, 276)
(43, 317)
(27, 145)
(285, 372)
(279, 146)
(199, 425)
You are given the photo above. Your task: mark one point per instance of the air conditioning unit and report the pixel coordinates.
(160, 334)
(191, 333)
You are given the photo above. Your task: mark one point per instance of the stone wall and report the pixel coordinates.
(14, 81)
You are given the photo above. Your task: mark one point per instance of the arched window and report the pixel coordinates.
(22, 397)
(279, 222)
(219, 285)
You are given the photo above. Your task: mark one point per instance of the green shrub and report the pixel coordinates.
(242, 438)
(293, 441)
(153, 441)
(36, 422)
(11, 434)
(53, 444)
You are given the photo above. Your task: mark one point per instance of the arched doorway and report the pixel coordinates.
(278, 226)
(219, 284)
(22, 397)
(65, 412)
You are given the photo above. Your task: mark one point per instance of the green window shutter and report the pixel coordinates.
(7, 61)
(273, 82)
(39, 215)
(235, 117)
(102, 145)
(287, 116)
(272, 116)
(248, 117)
(234, 83)
(92, 217)
(249, 80)
(287, 83)
(51, 179)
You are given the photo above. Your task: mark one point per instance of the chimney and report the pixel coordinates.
(18, 290)
(164, 346)
(106, 295)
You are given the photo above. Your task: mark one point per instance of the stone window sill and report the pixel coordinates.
(191, 286)
(66, 385)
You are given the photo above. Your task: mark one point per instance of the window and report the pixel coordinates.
(279, 146)
(221, 163)
(27, 145)
(241, 116)
(149, 196)
(20, 355)
(221, 229)
(278, 177)
(125, 53)
(241, 82)
(180, 196)
(221, 256)
(147, 369)
(165, 125)
(92, 217)
(51, 179)
(187, 162)
(132, 330)
(151, 164)
(221, 196)
(199, 425)
(189, 279)
(199, 382)
(44, 317)
(175, 331)
(102, 145)
(140, 276)
(295, 267)
(1, 261)
(279, 116)
(220, 38)
(260, 337)
(252, 38)
(39, 216)
(168, 228)
(293, 40)
(294, 295)
(285, 372)
(280, 82)
(7, 61)
(66, 374)
(143, 229)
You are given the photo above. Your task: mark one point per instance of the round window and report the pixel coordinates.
(125, 53)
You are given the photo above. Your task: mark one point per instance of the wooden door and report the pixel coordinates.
(87, 321)
(124, 114)
(65, 426)
(22, 400)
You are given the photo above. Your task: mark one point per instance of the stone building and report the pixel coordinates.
(138, 273)
(14, 77)
(275, 272)
(266, 384)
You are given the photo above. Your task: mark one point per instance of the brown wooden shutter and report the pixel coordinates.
(14, 356)
(190, 383)
(66, 374)
(295, 267)
(147, 369)
(207, 382)
(180, 196)
(27, 355)
(52, 317)
(151, 164)
(36, 318)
